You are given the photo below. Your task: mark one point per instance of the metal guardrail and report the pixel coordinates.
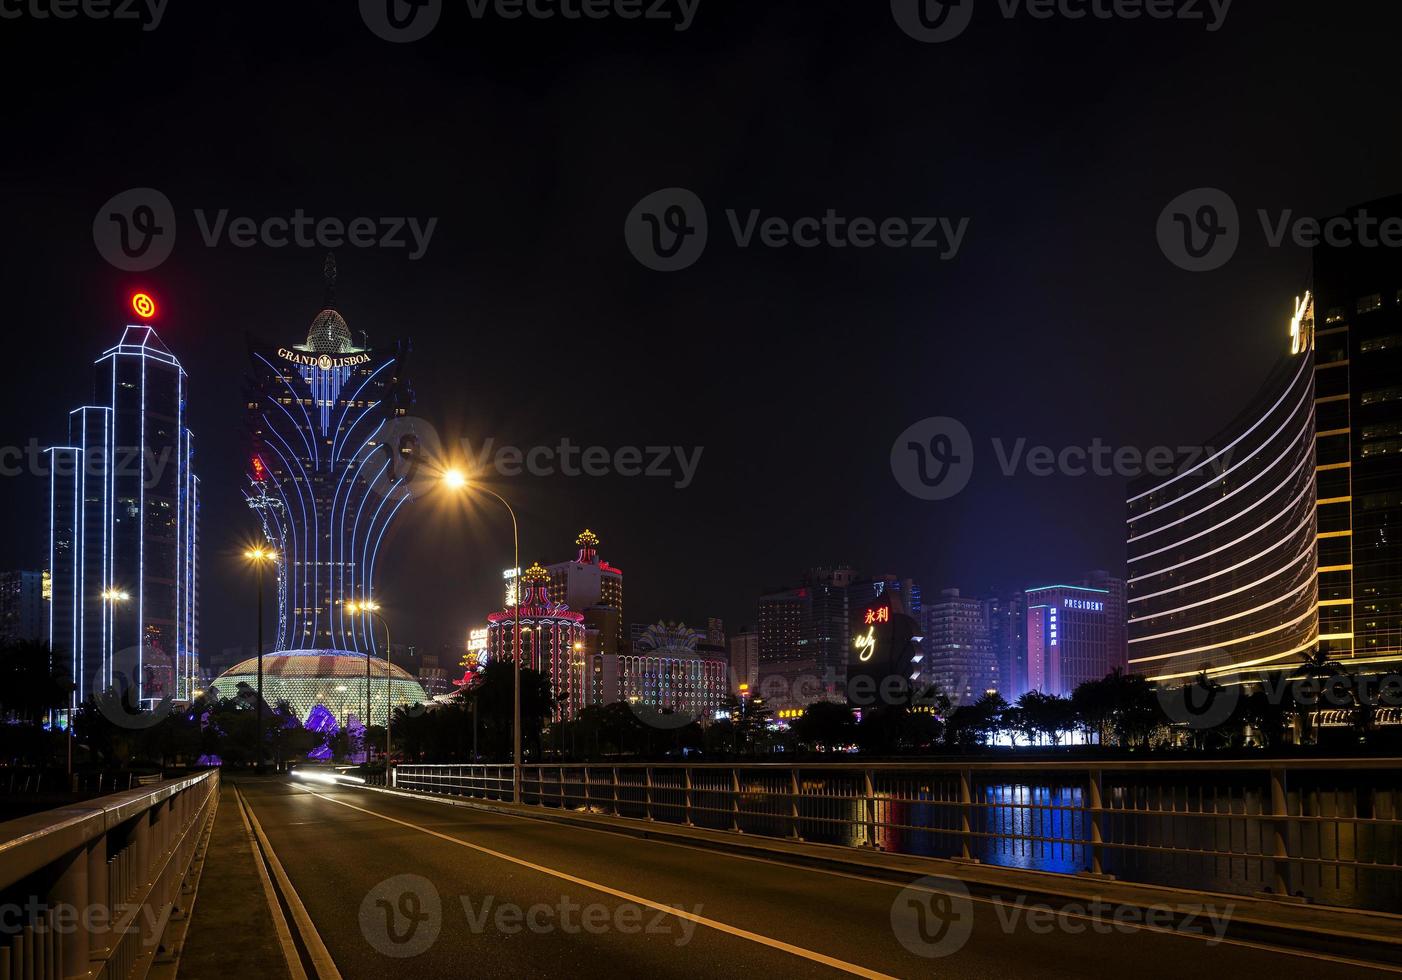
(87, 890)
(1329, 830)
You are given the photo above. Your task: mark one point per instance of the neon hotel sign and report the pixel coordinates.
(324, 361)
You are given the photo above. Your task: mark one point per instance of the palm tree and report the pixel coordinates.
(1317, 665)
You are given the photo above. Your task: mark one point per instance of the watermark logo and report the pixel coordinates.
(401, 21)
(933, 21)
(135, 230)
(408, 457)
(933, 917)
(148, 12)
(1199, 705)
(934, 458)
(667, 230)
(1200, 230)
(402, 916)
(135, 690)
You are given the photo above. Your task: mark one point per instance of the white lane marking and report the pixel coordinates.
(1144, 927)
(753, 937)
(320, 955)
(284, 935)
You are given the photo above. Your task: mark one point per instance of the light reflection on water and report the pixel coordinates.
(1042, 825)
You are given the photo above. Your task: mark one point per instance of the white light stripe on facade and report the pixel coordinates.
(1305, 363)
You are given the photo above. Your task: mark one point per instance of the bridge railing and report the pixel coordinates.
(88, 890)
(1329, 830)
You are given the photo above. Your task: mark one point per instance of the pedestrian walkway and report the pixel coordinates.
(231, 927)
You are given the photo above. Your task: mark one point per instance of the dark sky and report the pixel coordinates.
(1060, 320)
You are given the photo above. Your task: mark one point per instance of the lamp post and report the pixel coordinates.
(455, 480)
(372, 608)
(110, 598)
(260, 557)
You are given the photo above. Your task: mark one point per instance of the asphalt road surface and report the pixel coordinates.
(409, 888)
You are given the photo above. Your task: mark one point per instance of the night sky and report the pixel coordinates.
(1060, 320)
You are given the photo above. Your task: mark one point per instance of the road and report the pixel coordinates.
(404, 887)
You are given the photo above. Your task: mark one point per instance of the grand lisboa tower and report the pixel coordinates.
(330, 449)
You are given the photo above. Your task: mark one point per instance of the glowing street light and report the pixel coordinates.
(260, 557)
(455, 480)
(369, 607)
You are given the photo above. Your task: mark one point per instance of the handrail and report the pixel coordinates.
(106, 876)
(1319, 828)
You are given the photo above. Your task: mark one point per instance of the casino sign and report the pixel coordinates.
(324, 361)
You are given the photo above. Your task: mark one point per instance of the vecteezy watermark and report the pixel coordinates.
(935, 21)
(668, 230)
(409, 457)
(65, 919)
(933, 459)
(1202, 704)
(934, 917)
(95, 462)
(1200, 230)
(135, 231)
(403, 917)
(404, 21)
(148, 12)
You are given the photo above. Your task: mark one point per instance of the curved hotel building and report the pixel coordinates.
(1224, 554)
(324, 424)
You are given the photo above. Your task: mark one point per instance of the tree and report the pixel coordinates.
(32, 683)
(826, 725)
(1049, 715)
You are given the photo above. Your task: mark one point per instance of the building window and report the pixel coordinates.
(1382, 395)
(1391, 342)
(1335, 315)
(1382, 447)
(1371, 302)
(1382, 431)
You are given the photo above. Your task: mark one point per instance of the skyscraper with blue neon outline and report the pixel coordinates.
(329, 440)
(124, 531)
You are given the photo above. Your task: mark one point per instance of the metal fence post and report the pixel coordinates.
(1280, 812)
(687, 812)
(71, 892)
(735, 801)
(793, 802)
(966, 806)
(615, 791)
(869, 805)
(649, 792)
(1095, 806)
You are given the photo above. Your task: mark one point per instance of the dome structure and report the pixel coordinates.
(334, 679)
(329, 334)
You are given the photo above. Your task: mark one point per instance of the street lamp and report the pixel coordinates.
(457, 480)
(372, 608)
(260, 557)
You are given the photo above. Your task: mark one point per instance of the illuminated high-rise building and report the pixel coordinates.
(592, 586)
(1358, 386)
(957, 650)
(329, 471)
(552, 640)
(1068, 637)
(1224, 554)
(124, 518)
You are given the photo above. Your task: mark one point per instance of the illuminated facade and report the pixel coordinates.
(957, 650)
(668, 672)
(329, 445)
(334, 679)
(1358, 382)
(123, 531)
(552, 640)
(1223, 566)
(593, 587)
(1068, 637)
